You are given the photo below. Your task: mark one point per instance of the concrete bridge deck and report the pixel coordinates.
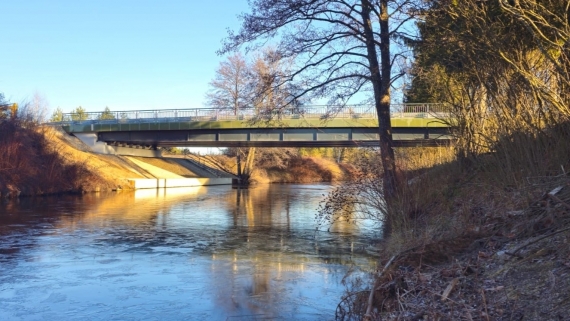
(308, 126)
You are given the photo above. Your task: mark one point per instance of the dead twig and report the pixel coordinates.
(485, 304)
(449, 289)
(368, 315)
(448, 299)
(552, 196)
(514, 253)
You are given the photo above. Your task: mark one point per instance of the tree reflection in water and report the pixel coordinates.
(211, 252)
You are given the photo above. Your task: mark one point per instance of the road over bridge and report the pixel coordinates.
(307, 126)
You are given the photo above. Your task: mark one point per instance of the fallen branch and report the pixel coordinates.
(368, 315)
(514, 253)
(559, 200)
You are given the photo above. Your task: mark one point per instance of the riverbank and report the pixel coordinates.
(41, 160)
(44, 160)
(481, 239)
(279, 166)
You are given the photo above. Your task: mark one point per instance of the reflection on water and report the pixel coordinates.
(203, 253)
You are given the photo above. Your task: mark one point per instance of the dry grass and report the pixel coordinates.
(29, 166)
(486, 226)
(309, 170)
(287, 166)
(38, 160)
(112, 171)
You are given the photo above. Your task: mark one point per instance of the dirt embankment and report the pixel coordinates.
(514, 265)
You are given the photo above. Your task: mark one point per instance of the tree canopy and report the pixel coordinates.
(7, 110)
(229, 88)
(57, 115)
(340, 47)
(501, 66)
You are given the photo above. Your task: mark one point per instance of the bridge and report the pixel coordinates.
(307, 126)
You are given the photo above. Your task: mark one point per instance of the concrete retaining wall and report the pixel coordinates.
(166, 179)
(140, 183)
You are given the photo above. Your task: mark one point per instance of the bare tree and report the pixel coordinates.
(267, 71)
(233, 87)
(229, 88)
(35, 110)
(342, 47)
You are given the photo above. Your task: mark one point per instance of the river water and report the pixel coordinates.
(204, 253)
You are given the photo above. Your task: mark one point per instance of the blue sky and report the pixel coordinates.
(123, 54)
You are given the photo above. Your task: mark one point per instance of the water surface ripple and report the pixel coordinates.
(204, 253)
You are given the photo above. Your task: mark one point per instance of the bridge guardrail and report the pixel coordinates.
(211, 114)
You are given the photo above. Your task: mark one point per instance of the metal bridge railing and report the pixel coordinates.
(212, 114)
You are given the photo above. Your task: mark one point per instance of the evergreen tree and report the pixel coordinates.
(79, 114)
(57, 115)
(106, 114)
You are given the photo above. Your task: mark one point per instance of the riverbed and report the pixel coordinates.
(203, 253)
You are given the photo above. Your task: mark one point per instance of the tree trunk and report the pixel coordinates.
(238, 160)
(244, 172)
(381, 86)
(383, 107)
(248, 168)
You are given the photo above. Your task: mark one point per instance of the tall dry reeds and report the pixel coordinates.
(455, 199)
(443, 197)
(522, 157)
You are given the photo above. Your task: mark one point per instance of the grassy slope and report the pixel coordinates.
(45, 160)
(484, 240)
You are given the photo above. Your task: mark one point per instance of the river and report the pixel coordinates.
(204, 253)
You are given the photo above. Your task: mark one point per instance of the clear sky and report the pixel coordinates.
(124, 54)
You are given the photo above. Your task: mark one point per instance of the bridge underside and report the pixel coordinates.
(281, 137)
